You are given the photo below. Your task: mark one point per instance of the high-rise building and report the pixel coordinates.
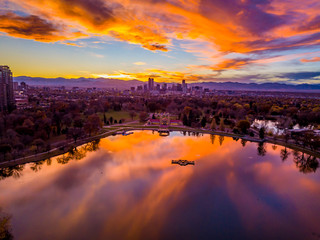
(15, 86)
(179, 87)
(6, 89)
(184, 86)
(151, 84)
(23, 86)
(164, 87)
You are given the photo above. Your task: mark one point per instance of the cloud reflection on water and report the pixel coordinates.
(128, 189)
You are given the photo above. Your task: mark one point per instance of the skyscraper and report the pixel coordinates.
(184, 86)
(151, 84)
(6, 89)
(164, 87)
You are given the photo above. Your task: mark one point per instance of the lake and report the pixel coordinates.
(125, 187)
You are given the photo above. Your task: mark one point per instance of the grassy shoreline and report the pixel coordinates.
(114, 129)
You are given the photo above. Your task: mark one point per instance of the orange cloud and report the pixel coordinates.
(161, 75)
(167, 76)
(232, 64)
(315, 59)
(99, 18)
(224, 27)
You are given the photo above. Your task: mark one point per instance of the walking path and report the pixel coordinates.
(125, 127)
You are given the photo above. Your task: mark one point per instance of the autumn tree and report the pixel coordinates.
(67, 120)
(75, 133)
(39, 143)
(143, 117)
(93, 124)
(106, 106)
(243, 125)
(78, 122)
(132, 114)
(4, 149)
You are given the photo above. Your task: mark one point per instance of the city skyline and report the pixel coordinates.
(240, 41)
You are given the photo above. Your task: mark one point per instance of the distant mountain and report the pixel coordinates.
(79, 82)
(122, 84)
(258, 87)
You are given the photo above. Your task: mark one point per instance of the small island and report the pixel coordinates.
(183, 162)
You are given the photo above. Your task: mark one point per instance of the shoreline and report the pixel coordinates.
(58, 151)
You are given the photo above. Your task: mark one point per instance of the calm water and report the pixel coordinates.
(125, 187)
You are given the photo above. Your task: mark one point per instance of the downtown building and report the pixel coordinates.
(150, 84)
(6, 89)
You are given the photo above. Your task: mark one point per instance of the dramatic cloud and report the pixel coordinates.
(211, 30)
(99, 18)
(32, 27)
(313, 24)
(161, 75)
(232, 64)
(230, 26)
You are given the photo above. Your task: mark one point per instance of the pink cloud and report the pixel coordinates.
(315, 59)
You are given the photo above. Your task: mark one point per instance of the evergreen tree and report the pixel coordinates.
(185, 120)
(203, 122)
(261, 133)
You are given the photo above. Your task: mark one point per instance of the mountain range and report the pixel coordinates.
(123, 84)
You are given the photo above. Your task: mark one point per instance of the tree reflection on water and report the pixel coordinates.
(11, 171)
(36, 166)
(78, 153)
(221, 139)
(304, 162)
(261, 149)
(75, 153)
(5, 226)
(284, 154)
(243, 142)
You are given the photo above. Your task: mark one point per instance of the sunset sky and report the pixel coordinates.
(170, 40)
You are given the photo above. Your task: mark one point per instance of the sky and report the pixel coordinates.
(170, 40)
